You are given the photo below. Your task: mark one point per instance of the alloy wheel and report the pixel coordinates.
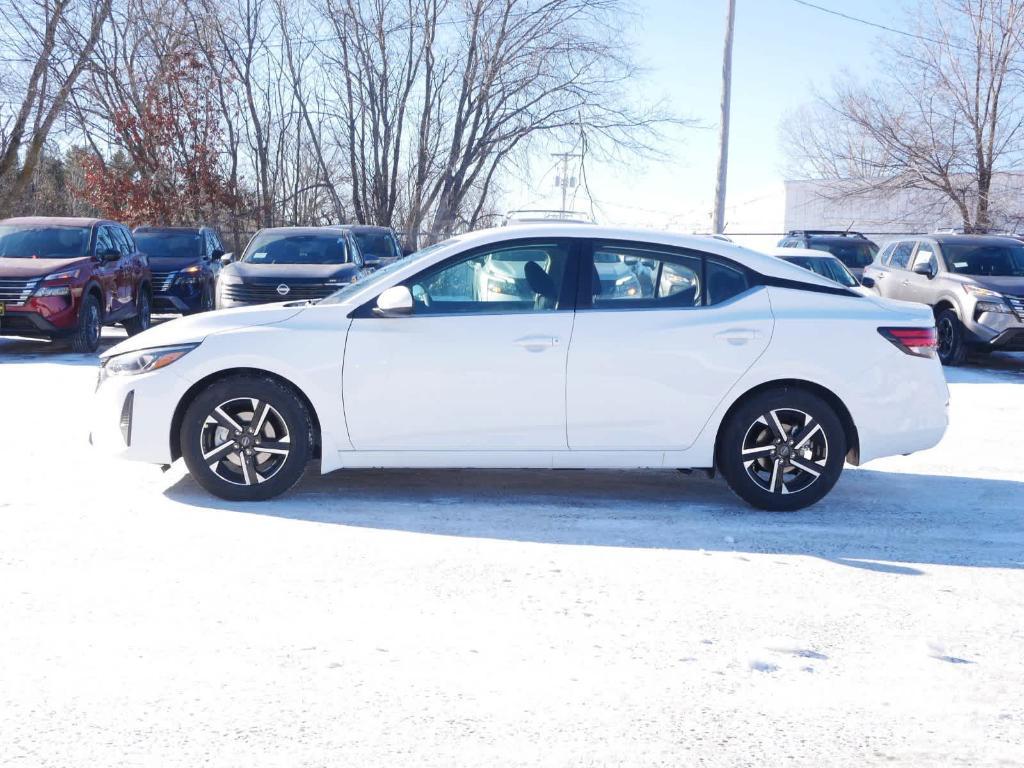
(92, 325)
(785, 451)
(245, 441)
(945, 340)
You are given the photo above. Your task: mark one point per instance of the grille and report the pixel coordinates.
(16, 290)
(1017, 304)
(264, 293)
(162, 281)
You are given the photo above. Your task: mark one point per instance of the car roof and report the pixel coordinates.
(56, 221)
(364, 228)
(942, 239)
(154, 228)
(810, 253)
(303, 230)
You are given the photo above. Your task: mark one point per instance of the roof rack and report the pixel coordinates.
(837, 232)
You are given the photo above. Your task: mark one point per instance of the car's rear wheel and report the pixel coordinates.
(951, 347)
(246, 438)
(782, 449)
(86, 337)
(142, 318)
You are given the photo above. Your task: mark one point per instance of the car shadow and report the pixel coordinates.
(872, 520)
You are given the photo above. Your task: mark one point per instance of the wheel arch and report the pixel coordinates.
(943, 304)
(92, 288)
(830, 397)
(190, 394)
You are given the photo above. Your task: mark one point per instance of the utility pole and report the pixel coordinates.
(718, 224)
(565, 181)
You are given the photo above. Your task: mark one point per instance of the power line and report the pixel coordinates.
(876, 25)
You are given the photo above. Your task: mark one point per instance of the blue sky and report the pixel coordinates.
(781, 50)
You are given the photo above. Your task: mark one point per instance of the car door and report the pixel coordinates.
(106, 272)
(890, 276)
(917, 287)
(470, 369)
(650, 359)
(128, 271)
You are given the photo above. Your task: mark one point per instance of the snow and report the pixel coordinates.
(507, 618)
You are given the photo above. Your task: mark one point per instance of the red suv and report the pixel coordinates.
(65, 277)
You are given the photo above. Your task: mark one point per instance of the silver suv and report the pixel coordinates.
(974, 284)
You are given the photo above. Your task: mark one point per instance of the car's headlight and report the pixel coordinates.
(982, 293)
(144, 360)
(57, 284)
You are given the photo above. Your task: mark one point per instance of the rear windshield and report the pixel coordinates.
(284, 248)
(1000, 260)
(853, 253)
(175, 245)
(20, 241)
(833, 269)
(377, 245)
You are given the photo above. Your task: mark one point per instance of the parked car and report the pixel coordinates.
(290, 263)
(185, 262)
(973, 283)
(824, 264)
(65, 278)
(728, 359)
(851, 248)
(379, 245)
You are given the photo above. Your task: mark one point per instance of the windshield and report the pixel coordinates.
(377, 245)
(833, 269)
(998, 260)
(853, 253)
(169, 245)
(18, 241)
(306, 248)
(382, 275)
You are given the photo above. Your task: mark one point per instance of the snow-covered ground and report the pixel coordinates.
(507, 618)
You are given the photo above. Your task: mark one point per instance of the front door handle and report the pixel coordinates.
(738, 336)
(537, 343)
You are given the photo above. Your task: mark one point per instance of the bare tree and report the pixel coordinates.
(57, 40)
(946, 116)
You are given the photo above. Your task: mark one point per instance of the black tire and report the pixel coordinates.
(952, 349)
(86, 337)
(756, 458)
(285, 428)
(142, 319)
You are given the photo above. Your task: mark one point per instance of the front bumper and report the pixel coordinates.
(41, 317)
(151, 401)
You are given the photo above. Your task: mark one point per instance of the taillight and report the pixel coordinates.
(914, 341)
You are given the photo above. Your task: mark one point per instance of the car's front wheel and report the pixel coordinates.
(142, 318)
(246, 438)
(951, 346)
(782, 449)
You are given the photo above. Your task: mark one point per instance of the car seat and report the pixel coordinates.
(541, 284)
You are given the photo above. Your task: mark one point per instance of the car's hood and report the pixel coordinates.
(195, 328)
(284, 272)
(171, 263)
(1011, 285)
(36, 267)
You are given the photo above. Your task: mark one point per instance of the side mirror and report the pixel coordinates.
(109, 254)
(217, 254)
(924, 268)
(396, 301)
(227, 258)
(867, 282)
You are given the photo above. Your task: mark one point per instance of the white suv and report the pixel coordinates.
(714, 357)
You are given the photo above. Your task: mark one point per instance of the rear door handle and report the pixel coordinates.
(737, 336)
(537, 343)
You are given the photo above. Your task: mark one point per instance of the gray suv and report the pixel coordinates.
(974, 284)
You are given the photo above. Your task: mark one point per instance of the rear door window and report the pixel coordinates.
(900, 256)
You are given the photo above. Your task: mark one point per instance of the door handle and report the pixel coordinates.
(537, 343)
(738, 336)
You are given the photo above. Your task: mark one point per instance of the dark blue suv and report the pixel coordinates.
(185, 262)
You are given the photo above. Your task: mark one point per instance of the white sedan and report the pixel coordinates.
(722, 358)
